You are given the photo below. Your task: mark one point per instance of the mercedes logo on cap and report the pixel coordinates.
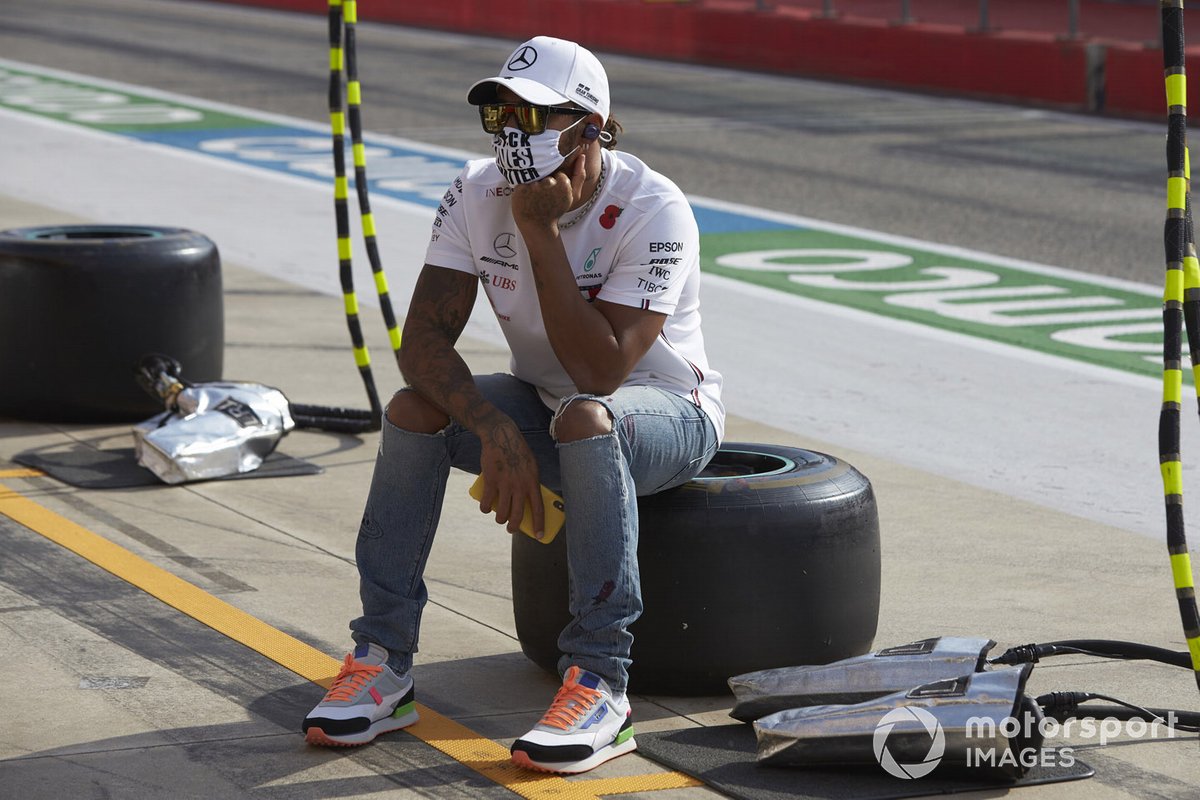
(522, 59)
(503, 245)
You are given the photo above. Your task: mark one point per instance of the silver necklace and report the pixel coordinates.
(591, 201)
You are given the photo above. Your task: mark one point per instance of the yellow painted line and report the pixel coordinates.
(656, 782)
(481, 754)
(21, 472)
(301, 658)
(492, 760)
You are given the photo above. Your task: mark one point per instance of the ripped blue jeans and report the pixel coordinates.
(658, 440)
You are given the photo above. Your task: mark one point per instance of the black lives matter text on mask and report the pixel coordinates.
(514, 157)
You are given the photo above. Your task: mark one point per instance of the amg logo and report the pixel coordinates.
(498, 262)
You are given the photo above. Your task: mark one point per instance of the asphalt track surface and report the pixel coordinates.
(1067, 190)
(1065, 436)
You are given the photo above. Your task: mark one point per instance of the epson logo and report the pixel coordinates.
(666, 247)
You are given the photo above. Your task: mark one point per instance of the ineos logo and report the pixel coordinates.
(522, 59)
(503, 245)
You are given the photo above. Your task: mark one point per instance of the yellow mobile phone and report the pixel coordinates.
(554, 515)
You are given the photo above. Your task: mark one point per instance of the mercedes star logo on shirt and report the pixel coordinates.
(504, 245)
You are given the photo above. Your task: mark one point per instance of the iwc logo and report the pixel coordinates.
(522, 59)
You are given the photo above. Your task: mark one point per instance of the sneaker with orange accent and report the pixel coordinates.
(584, 727)
(366, 699)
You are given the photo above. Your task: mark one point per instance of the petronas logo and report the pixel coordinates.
(591, 261)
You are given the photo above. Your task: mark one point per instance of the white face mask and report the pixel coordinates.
(525, 158)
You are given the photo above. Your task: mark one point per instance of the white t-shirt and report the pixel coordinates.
(638, 245)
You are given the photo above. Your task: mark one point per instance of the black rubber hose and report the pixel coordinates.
(1066, 705)
(334, 419)
(1101, 648)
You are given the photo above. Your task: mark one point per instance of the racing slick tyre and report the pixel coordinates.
(81, 304)
(768, 558)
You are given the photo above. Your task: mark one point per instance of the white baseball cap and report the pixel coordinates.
(546, 71)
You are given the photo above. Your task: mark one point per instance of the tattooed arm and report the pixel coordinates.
(437, 314)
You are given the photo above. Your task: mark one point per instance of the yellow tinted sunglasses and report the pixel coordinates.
(530, 118)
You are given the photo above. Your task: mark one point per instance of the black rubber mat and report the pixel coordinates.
(723, 756)
(88, 468)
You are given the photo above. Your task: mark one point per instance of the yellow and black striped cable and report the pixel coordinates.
(337, 119)
(354, 110)
(1181, 299)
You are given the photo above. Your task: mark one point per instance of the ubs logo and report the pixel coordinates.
(503, 245)
(522, 59)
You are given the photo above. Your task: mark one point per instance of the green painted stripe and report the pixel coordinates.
(106, 109)
(1099, 321)
(1050, 313)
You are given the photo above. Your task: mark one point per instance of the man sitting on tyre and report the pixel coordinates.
(590, 261)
